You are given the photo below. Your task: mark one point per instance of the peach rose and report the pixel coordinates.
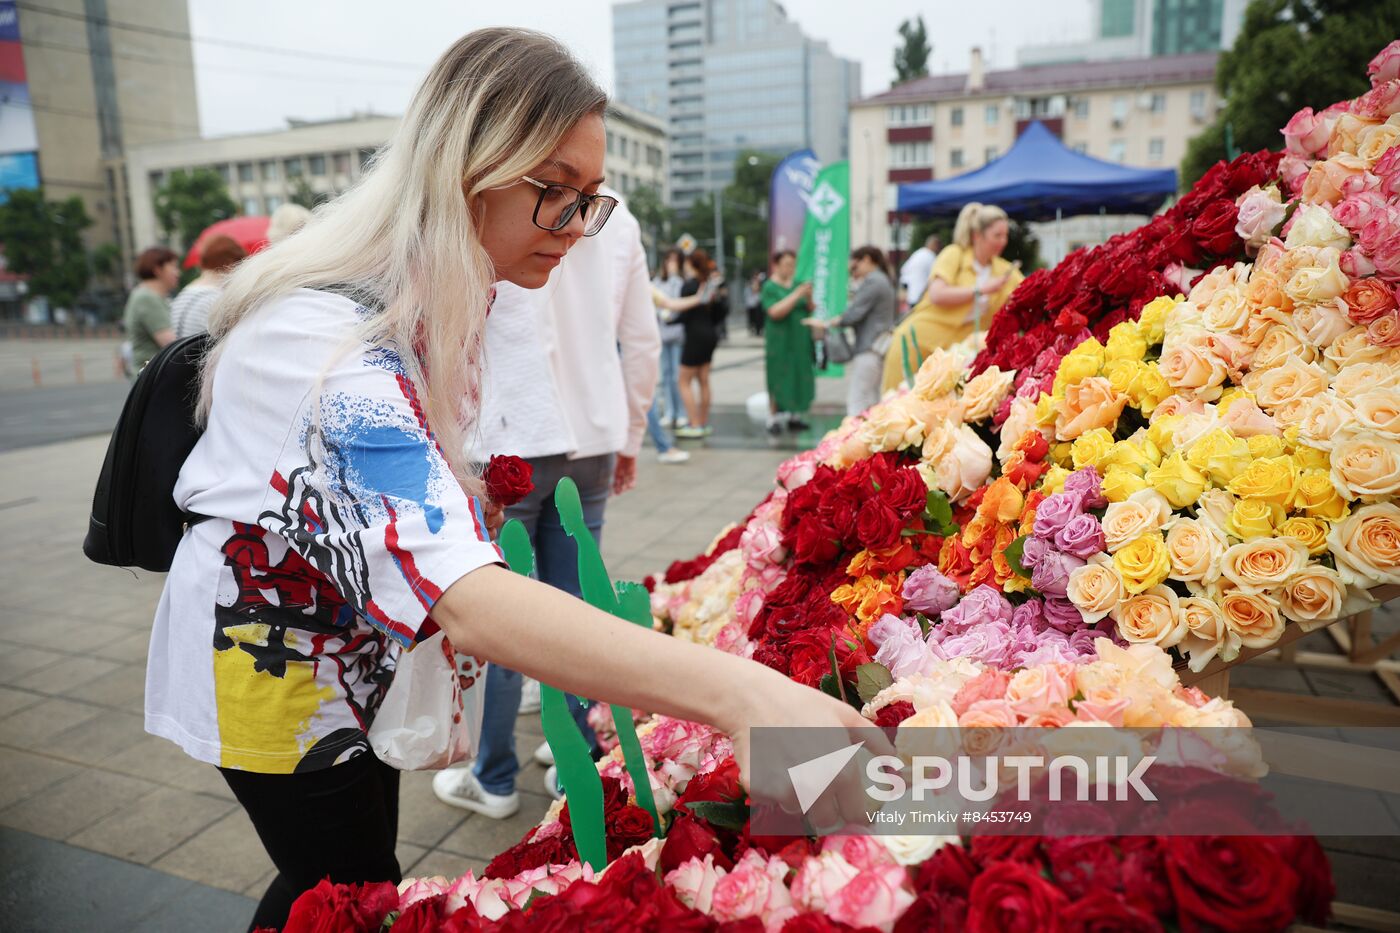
(1217, 279)
(1278, 344)
(1368, 299)
(1354, 347)
(1227, 310)
(1253, 617)
(1315, 594)
(1151, 618)
(964, 468)
(1346, 134)
(1366, 545)
(1021, 420)
(984, 393)
(1095, 588)
(1215, 508)
(1372, 142)
(937, 376)
(1318, 277)
(1207, 635)
(1325, 181)
(1378, 410)
(1264, 563)
(1366, 465)
(1385, 331)
(1144, 511)
(1194, 548)
(1358, 378)
(891, 427)
(1177, 405)
(1291, 380)
(1322, 419)
(1090, 404)
(1246, 419)
(1320, 324)
(1190, 366)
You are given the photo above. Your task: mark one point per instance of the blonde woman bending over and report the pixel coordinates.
(969, 283)
(343, 514)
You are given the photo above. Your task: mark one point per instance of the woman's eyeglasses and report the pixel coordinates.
(557, 205)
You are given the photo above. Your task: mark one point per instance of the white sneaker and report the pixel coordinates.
(458, 787)
(545, 755)
(673, 456)
(551, 783)
(529, 696)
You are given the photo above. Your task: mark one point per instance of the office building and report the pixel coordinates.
(636, 155)
(727, 76)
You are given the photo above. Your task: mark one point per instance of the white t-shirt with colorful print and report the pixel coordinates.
(335, 525)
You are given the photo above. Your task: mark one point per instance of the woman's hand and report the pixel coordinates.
(992, 286)
(495, 517)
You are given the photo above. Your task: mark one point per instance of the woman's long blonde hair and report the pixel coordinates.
(975, 218)
(403, 240)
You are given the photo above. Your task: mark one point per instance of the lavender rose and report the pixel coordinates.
(987, 642)
(890, 626)
(1051, 575)
(1032, 552)
(1087, 485)
(1062, 614)
(930, 592)
(904, 652)
(1082, 536)
(1054, 513)
(1029, 616)
(983, 604)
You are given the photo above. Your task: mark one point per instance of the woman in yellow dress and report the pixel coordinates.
(969, 283)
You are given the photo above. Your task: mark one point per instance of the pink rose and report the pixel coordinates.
(1385, 331)
(1387, 171)
(797, 471)
(1260, 211)
(830, 885)
(694, 882)
(989, 685)
(1307, 133)
(1037, 689)
(1356, 264)
(755, 888)
(1381, 101)
(988, 714)
(1293, 171)
(1386, 257)
(1386, 65)
(864, 852)
(420, 889)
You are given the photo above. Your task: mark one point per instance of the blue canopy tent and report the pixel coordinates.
(1039, 178)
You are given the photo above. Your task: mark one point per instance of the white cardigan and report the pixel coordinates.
(570, 368)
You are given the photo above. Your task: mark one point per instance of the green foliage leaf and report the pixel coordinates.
(924, 625)
(938, 514)
(871, 679)
(726, 814)
(1013, 556)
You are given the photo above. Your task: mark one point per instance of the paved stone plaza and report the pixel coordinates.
(104, 827)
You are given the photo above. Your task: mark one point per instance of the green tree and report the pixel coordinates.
(745, 213)
(303, 194)
(656, 219)
(190, 201)
(911, 58)
(1289, 54)
(44, 240)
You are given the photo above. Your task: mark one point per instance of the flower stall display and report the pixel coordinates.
(1166, 450)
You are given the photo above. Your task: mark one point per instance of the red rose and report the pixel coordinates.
(990, 849)
(815, 543)
(889, 717)
(508, 480)
(1106, 912)
(816, 923)
(689, 837)
(1143, 874)
(333, 908)
(425, 916)
(941, 885)
(877, 525)
(1315, 886)
(720, 784)
(629, 826)
(1013, 898)
(1081, 864)
(810, 658)
(1235, 883)
(906, 493)
(1214, 228)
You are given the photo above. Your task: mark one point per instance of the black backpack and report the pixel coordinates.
(135, 522)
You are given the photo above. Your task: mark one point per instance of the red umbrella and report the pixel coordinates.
(248, 232)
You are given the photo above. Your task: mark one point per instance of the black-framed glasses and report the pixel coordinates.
(557, 205)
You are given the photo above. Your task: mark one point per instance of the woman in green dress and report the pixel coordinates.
(787, 346)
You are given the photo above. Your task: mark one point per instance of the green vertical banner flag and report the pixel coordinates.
(824, 257)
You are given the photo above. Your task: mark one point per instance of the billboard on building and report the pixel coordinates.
(19, 141)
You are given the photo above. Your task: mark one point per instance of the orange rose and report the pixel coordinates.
(1366, 545)
(1002, 502)
(1368, 299)
(1254, 617)
(1090, 404)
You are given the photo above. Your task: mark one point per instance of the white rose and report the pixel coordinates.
(915, 850)
(1312, 225)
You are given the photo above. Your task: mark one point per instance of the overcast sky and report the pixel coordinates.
(389, 45)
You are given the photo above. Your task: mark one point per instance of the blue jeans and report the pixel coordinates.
(669, 389)
(556, 563)
(655, 431)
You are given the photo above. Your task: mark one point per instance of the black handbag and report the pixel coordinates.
(134, 521)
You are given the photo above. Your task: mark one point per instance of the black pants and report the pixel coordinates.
(340, 822)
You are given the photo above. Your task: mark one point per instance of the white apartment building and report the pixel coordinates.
(637, 147)
(1136, 111)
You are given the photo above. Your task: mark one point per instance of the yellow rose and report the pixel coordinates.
(1254, 617)
(1265, 445)
(1150, 618)
(1312, 532)
(1054, 479)
(1152, 322)
(1090, 446)
(1270, 479)
(1194, 548)
(1311, 458)
(1180, 482)
(1220, 454)
(1149, 387)
(1144, 563)
(1119, 484)
(1079, 364)
(1366, 545)
(1061, 453)
(1254, 518)
(1316, 594)
(1261, 564)
(1126, 455)
(1046, 408)
(1121, 373)
(1316, 496)
(1095, 588)
(1366, 466)
(1161, 430)
(1125, 342)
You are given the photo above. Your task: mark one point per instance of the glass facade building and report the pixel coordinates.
(726, 76)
